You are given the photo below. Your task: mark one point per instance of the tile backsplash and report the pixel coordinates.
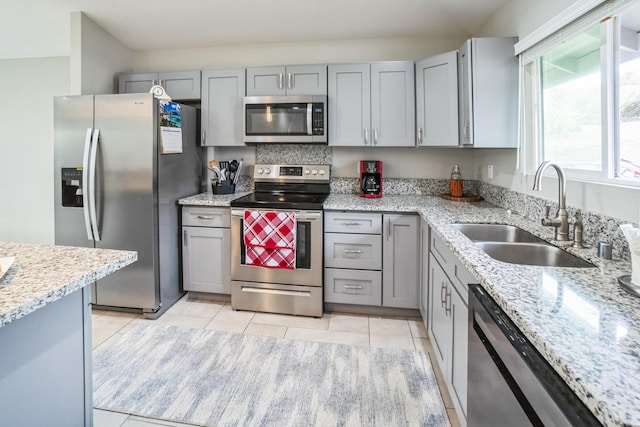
(597, 227)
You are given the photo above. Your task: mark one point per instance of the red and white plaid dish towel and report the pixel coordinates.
(270, 239)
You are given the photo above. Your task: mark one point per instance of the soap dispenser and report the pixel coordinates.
(455, 183)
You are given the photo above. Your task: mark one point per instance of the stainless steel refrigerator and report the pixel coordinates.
(114, 189)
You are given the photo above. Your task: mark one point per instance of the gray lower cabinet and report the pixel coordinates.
(206, 248)
(448, 317)
(45, 365)
(371, 259)
(179, 85)
(401, 261)
(424, 272)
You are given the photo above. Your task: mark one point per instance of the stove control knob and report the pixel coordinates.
(314, 172)
(260, 171)
(322, 172)
(267, 171)
(307, 171)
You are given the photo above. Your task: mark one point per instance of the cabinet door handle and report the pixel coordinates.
(202, 138)
(388, 229)
(353, 286)
(447, 308)
(366, 136)
(281, 81)
(352, 224)
(289, 80)
(375, 137)
(205, 217)
(443, 294)
(419, 136)
(186, 242)
(466, 131)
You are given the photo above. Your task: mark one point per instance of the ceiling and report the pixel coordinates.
(35, 28)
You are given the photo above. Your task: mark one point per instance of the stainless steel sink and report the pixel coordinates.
(508, 243)
(497, 233)
(532, 254)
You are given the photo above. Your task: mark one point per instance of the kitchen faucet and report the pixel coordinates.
(561, 221)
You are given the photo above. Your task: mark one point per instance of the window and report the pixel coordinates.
(586, 95)
(571, 102)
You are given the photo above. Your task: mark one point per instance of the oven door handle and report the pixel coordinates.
(300, 215)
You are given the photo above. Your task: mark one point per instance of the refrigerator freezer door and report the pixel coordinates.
(126, 196)
(72, 117)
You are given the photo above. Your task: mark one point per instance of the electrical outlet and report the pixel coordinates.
(490, 171)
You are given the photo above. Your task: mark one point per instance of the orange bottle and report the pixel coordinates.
(455, 183)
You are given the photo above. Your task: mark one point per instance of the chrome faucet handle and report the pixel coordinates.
(547, 210)
(577, 234)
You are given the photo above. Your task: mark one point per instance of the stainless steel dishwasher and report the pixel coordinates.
(510, 383)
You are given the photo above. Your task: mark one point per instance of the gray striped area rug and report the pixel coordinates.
(212, 378)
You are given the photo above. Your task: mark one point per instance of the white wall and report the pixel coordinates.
(321, 52)
(521, 17)
(26, 146)
(95, 57)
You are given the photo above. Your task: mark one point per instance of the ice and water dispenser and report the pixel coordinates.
(72, 187)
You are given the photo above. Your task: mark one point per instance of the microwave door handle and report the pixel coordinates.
(309, 111)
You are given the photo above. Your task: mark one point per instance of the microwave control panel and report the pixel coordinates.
(317, 118)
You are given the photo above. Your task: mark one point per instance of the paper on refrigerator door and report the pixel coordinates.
(170, 127)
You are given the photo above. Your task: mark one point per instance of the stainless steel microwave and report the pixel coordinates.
(285, 119)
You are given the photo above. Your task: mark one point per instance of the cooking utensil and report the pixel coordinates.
(233, 168)
(238, 170)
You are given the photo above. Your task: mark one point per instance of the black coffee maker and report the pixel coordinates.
(370, 172)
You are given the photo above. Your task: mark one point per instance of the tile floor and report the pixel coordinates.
(337, 328)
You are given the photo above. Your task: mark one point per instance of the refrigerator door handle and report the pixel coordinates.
(93, 211)
(85, 183)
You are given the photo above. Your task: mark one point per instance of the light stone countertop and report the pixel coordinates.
(210, 199)
(584, 324)
(42, 274)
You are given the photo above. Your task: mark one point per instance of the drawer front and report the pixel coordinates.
(353, 222)
(459, 275)
(353, 286)
(206, 217)
(357, 251)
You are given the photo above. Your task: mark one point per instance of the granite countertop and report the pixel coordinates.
(210, 199)
(42, 274)
(579, 319)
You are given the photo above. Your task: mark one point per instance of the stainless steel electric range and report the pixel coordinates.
(298, 192)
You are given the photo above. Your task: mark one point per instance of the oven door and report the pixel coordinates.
(308, 271)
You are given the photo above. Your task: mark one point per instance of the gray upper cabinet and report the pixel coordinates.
(287, 80)
(437, 101)
(349, 105)
(372, 104)
(222, 98)
(179, 85)
(488, 92)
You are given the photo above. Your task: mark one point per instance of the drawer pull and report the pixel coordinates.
(352, 251)
(205, 217)
(353, 286)
(352, 224)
